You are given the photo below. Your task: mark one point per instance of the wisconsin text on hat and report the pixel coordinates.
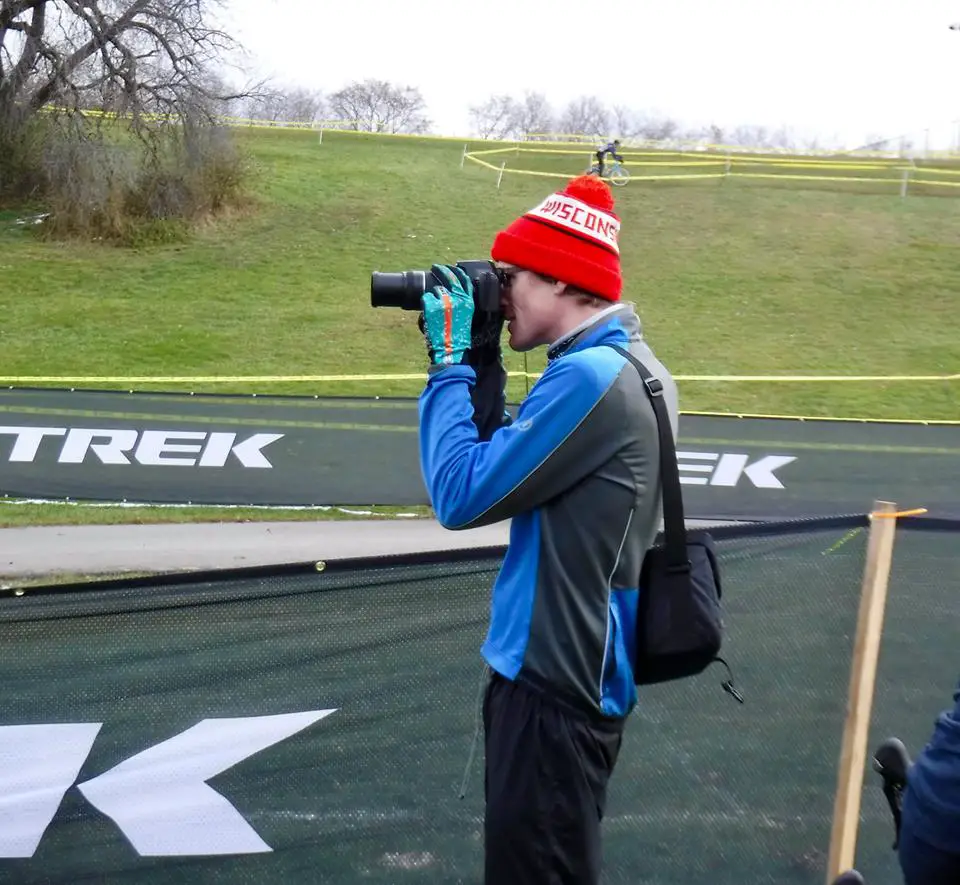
(578, 217)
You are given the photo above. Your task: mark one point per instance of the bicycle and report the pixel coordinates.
(615, 173)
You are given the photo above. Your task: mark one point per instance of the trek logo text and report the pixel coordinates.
(122, 447)
(174, 448)
(728, 468)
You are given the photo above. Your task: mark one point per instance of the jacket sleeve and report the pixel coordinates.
(488, 394)
(551, 446)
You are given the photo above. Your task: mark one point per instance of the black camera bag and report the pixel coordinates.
(679, 621)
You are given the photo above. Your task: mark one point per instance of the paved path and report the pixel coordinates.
(100, 550)
(92, 550)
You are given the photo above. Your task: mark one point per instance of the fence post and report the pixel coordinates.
(503, 166)
(464, 157)
(903, 182)
(863, 672)
(321, 133)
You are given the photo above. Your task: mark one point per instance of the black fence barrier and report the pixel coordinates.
(312, 722)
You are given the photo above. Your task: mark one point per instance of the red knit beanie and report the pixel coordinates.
(571, 236)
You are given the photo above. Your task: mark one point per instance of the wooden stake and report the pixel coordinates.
(863, 672)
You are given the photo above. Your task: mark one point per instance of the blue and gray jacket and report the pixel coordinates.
(578, 472)
(931, 804)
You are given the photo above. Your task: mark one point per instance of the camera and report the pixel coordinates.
(405, 288)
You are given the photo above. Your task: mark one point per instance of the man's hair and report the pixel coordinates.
(586, 298)
(581, 295)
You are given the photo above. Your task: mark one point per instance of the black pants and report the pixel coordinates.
(600, 163)
(547, 769)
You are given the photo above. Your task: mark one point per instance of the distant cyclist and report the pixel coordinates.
(612, 148)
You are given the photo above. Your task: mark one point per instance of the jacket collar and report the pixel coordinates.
(617, 324)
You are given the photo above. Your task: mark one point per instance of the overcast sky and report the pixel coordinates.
(843, 68)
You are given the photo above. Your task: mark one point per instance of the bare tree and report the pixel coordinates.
(715, 133)
(657, 128)
(281, 104)
(625, 121)
(135, 55)
(533, 116)
(150, 63)
(782, 139)
(379, 106)
(586, 115)
(304, 105)
(875, 142)
(496, 117)
(750, 136)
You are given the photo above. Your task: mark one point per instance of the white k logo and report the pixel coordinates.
(159, 798)
(718, 469)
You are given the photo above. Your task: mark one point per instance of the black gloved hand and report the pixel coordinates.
(446, 320)
(486, 358)
(485, 333)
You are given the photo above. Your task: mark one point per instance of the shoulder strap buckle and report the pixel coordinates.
(654, 386)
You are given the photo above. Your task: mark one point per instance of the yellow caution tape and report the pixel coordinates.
(934, 170)
(265, 379)
(205, 379)
(917, 511)
(816, 378)
(503, 150)
(714, 160)
(240, 379)
(725, 174)
(831, 418)
(489, 165)
(934, 183)
(788, 176)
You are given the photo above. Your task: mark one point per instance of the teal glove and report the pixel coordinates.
(448, 315)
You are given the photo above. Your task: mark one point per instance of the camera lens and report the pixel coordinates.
(403, 289)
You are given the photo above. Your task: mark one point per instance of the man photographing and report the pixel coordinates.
(578, 474)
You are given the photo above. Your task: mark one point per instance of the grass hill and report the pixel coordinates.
(730, 277)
